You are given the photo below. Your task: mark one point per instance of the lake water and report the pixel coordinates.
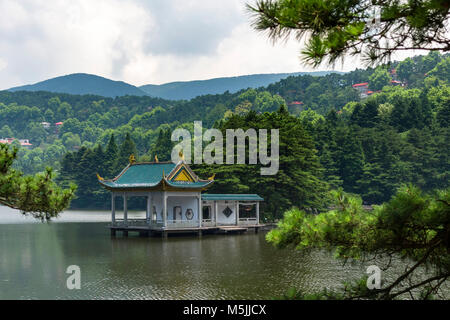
(34, 258)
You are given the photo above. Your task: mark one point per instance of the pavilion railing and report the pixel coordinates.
(172, 224)
(182, 223)
(137, 223)
(208, 223)
(248, 221)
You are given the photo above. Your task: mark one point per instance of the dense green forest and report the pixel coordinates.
(331, 136)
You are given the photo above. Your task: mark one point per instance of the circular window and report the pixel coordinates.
(189, 214)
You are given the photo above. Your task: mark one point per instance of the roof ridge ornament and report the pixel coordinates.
(100, 178)
(181, 155)
(212, 177)
(156, 158)
(132, 159)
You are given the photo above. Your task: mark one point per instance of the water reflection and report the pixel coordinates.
(34, 258)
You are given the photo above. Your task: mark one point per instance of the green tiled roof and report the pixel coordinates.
(145, 173)
(149, 175)
(238, 197)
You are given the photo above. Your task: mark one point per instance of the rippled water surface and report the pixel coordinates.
(34, 258)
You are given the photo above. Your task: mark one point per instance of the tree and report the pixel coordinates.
(36, 195)
(333, 29)
(412, 226)
(405, 69)
(163, 146)
(111, 154)
(299, 178)
(6, 132)
(379, 79)
(127, 148)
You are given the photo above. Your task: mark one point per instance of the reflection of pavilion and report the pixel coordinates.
(175, 203)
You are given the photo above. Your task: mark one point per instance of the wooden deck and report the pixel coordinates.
(148, 231)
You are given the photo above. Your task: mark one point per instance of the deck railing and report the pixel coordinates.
(247, 221)
(130, 222)
(208, 223)
(182, 223)
(173, 224)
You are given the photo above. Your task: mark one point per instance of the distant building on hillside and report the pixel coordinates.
(25, 143)
(57, 126)
(363, 89)
(397, 83)
(46, 125)
(295, 106)
(393, 73)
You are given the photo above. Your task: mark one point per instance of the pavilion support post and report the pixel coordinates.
(125, 210)
(200, 211)
(257, 213)
(148, 212)
(237, 212)
(216, 211)
(165, 209)
(113, 209)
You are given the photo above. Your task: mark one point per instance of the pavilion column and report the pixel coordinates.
(125, 209)
(257, 212)
(165, 209)
(216, 211)
(237, 212)
(113, 208)
(149, 206)
(200, 211)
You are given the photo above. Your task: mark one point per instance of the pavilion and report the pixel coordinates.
(175, 203)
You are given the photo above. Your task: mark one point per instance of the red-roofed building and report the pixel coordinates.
(396, 83)
(363, 88)
(25, 143)
(298, 103)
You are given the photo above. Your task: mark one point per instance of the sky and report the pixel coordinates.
(138, 41)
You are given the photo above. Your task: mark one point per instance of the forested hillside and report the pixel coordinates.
(331, 135)
(185, 90)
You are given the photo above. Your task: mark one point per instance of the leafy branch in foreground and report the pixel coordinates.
(374, 29)
(412, 226)
(37, 195)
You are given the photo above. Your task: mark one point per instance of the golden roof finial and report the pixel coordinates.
(181, 155)
(164, 175)
(156, 158)
(132, 159)
(99, 178)
(212, 177)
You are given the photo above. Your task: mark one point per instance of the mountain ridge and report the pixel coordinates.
(84, 83)
(185, 90)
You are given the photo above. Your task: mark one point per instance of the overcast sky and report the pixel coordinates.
(137, 41)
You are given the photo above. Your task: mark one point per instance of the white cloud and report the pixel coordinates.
(45, 39)
(136, 41)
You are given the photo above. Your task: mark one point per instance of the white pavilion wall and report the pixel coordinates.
(185, 202)
(221, 217)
